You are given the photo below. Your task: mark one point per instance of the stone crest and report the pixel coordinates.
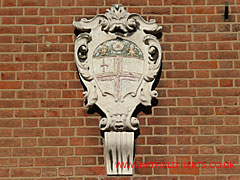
(118, 57)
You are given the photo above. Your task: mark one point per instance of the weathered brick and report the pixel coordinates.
(53, 161)
(200, 10)
(183, 130)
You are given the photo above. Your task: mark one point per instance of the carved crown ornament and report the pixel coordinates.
(118, 56)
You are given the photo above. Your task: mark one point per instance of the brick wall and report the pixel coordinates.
(46, 132)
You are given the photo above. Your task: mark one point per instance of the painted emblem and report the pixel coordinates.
(114, 65)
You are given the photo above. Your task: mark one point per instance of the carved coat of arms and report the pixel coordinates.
(118, 57)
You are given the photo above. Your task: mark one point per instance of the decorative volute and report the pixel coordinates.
(118, 56)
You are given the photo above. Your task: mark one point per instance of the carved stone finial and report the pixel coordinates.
(118, 57)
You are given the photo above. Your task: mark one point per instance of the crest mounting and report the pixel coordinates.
(118, 57)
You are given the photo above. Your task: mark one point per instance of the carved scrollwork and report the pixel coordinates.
(118, 57)
(120, 22)
(81, 55)
(154, 57)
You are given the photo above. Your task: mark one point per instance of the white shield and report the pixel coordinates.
(118, 67)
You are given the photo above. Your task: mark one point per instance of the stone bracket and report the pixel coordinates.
(119, 149)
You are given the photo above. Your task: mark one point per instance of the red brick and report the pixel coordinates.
(66, 171)
(29, 113)
(9, 3)
(73, 161)
(133, 3)
(30, 11)
(76, 141)
(26, 162)
(89, 151)
(179, 47)
(225, 64)
(183, 111)
(5, 133)
(200, 10)
(5, 152)
(179, 74)
(10, 48)
(30, 85)
(52, 48)
(26, 172)
(206, 130)
(206, 140)
(218, 2)
(177, 19)
(201, 28)
(182, 93)
(10, 30)
(11, 11)
(89, 3)
(68, 11)
(53, 161)
(11, 104)
(223, 27)
(226, 82)
(9, 142)
(177, 38)
(226, 150)
(27, 152)
(155, 2)
(231, 158)
(180, 83)
(228, 130)
(185, 121)
(156, 10)
(53, 3)
(227, 110)
(161, 140)
(206, 150)
(161, 121)
(184, 171)
(183, 130)
(208, 121)
(226, 92)
(50, 151)
(229, 140)
(199, 37)
(29, 142)
(223, 37)
(183, 140)
(199, 19)
(179, 56)
(30, 20)
(90, 171)
(184, 102)
(52, 84)
(183, 150)
(202, 46)
(49, 172)
(66, 151)
(28, 132)
(176, 2)
(89, 161)
(53, 141)
(203, 83)
(225, 73)
(206, 111)
(207, 102)
(88, 131)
